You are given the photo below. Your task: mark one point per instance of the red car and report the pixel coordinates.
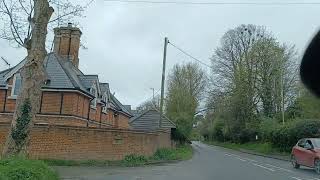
(306, 153)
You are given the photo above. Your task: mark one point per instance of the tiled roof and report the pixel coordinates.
(62, 74)
(118, 104)
(149, 121)
(56, 73)
(104, 87)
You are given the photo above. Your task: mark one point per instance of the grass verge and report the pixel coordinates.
(163, 155)
(262, 148)
(20, 168)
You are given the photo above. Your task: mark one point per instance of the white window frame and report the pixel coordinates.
(94, 105)
(105, 99)
(14, 96)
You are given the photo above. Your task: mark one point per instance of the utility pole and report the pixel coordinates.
(282, 95)
(152, 93)
(166, 41)
(153, 103)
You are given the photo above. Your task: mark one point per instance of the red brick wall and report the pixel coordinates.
(51, 102)
(2, 98)
(123, 121)
(61, 142)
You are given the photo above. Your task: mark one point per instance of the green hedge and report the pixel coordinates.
(23, 169)
(286, 136)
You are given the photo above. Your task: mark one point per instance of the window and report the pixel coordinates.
(308, 145)
(105, 99)
(302, 143)
(16, 87)
(316, 143)
(93, 102)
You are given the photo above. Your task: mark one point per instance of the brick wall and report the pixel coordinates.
(62, 142)
(123, 122)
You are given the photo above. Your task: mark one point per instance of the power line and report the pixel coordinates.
(213, 3)
(189, 55)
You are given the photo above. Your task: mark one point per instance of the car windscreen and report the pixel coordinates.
(316, 143)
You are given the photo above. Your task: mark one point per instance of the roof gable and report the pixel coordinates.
(10, 72)
(149, 120)
(89, 80)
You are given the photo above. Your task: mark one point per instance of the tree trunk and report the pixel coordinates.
(33, 76)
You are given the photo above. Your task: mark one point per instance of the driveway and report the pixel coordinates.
(208, 163)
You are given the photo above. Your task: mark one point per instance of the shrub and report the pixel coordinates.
(165, 154)
(180, 153)
(218, 130)
(246, 135)
(267, 126)
(286, 136)
(17, 169)
(134, 160)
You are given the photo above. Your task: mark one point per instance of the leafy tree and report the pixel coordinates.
(186, 84)
(251, 71)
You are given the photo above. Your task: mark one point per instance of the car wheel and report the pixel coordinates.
(317, 166)
(295, 163)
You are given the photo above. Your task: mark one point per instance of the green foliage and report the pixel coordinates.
(165, 154)
(218, 132)
(305, 106)
(134, 160)
(286, 136)
(267, 126)
(20, 132)
(182, 152)
(23, 169)
(264, 148)
(184, 124)
(247, 83)
(186, 84)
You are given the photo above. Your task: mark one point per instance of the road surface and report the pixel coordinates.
(208, 163)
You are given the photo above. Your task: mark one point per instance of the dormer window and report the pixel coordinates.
(105, 99)
(16, 86)
(93, 91)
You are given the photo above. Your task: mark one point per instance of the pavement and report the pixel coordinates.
(208, 163)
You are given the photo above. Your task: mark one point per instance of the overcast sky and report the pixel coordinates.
(125, 41)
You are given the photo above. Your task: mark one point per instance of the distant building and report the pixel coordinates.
(69, 97)
(150, 120)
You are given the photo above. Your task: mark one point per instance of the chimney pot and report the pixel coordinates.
(67, 43)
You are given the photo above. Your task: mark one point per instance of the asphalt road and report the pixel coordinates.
(208, 163)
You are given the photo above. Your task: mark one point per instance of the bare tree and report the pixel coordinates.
(153, 103)
(25, 23)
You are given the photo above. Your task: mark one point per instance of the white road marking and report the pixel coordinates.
(249, 159)
(296, 178)
(263, 167)
(287, 170)
(241, 159)
(228, 154)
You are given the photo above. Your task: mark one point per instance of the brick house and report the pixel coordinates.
(69, 97)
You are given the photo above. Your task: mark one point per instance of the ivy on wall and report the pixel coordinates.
(20, 132)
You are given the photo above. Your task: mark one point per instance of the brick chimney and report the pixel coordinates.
(67, 42)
